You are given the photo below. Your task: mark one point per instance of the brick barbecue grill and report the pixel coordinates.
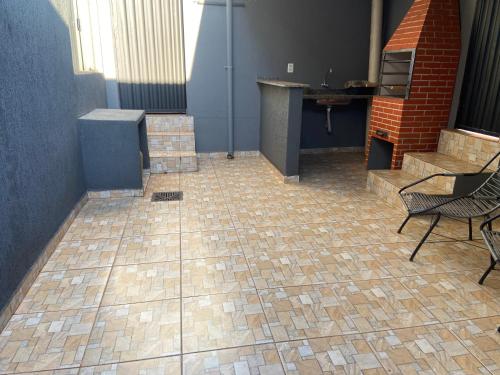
(432, 28)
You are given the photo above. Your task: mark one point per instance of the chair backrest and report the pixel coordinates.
(490, 189)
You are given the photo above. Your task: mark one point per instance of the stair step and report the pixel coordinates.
(423, 164)
(173, 161)
(169, 123)
(170, 133)
(469, 147)
(387, 183)
(171, 154)
(171, 141)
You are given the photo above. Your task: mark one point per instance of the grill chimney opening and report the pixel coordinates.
(380, 156)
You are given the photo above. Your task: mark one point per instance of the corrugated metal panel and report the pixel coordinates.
(149, 46)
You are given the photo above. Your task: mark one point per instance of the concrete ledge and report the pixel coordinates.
(21, 291)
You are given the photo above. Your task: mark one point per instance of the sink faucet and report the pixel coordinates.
(325, 83)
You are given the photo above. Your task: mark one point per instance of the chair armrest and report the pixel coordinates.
(488, 221)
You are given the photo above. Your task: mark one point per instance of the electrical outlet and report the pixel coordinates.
(290, 68)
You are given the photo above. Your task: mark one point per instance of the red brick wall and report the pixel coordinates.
(433, 28)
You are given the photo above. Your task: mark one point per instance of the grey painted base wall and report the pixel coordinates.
(314, 35)
(40, 99)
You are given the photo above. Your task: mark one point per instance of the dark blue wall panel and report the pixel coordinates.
(315, 35)
(41, 176)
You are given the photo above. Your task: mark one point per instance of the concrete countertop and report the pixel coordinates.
(284, 84)
(335, 96)
(119, 115)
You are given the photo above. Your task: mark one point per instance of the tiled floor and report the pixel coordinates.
(247, 275)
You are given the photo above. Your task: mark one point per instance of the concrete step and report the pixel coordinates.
(469, 147)
(170, 123)
(171, 141)
(423, 164)
(387, 183)
(173, 161)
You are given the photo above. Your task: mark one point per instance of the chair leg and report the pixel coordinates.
(434, 223)
(490, 268)
(470, 229)
(404, 223)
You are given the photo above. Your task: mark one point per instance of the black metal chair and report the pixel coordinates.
(481, 202)
(492, 240)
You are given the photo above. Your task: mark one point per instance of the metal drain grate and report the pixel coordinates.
(165, 196)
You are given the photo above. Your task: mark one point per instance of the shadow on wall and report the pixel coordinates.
(153, 97)
(40, 100)
(267, 36)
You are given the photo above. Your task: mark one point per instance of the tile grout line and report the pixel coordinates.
(104, 290)
(439, 324)
(462, 342)
(122, 237)
(256, 290)
(181, 303)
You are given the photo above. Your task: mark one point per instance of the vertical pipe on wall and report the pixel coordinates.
(375, 51)
(229, 70)
(375, 40)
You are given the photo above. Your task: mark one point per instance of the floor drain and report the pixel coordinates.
(166, 196)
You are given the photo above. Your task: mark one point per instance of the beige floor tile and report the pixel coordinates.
(481, 338)
(45, 341)
(100, 218)
(319, 262)
(458, 229)
(215, 275)
(434, 257)
(492, 282)
(423, 350)
(207, 244)
(96, 227)
(83, 254)
(64, 290)
(133, 332)
(143, 283)
(452, 296)
(270, 198)
(149, 219)
(209, 217)
(106, 207)
(223, 321)
(261, 215)
(348, 354)
(328, 235)
(256, 359)
(148, 249)
(294, 268)
(157, 366)
(288, 268)
(359, 210)
(68, 371)
(341, 308)
(297, 237)
(326, 195)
